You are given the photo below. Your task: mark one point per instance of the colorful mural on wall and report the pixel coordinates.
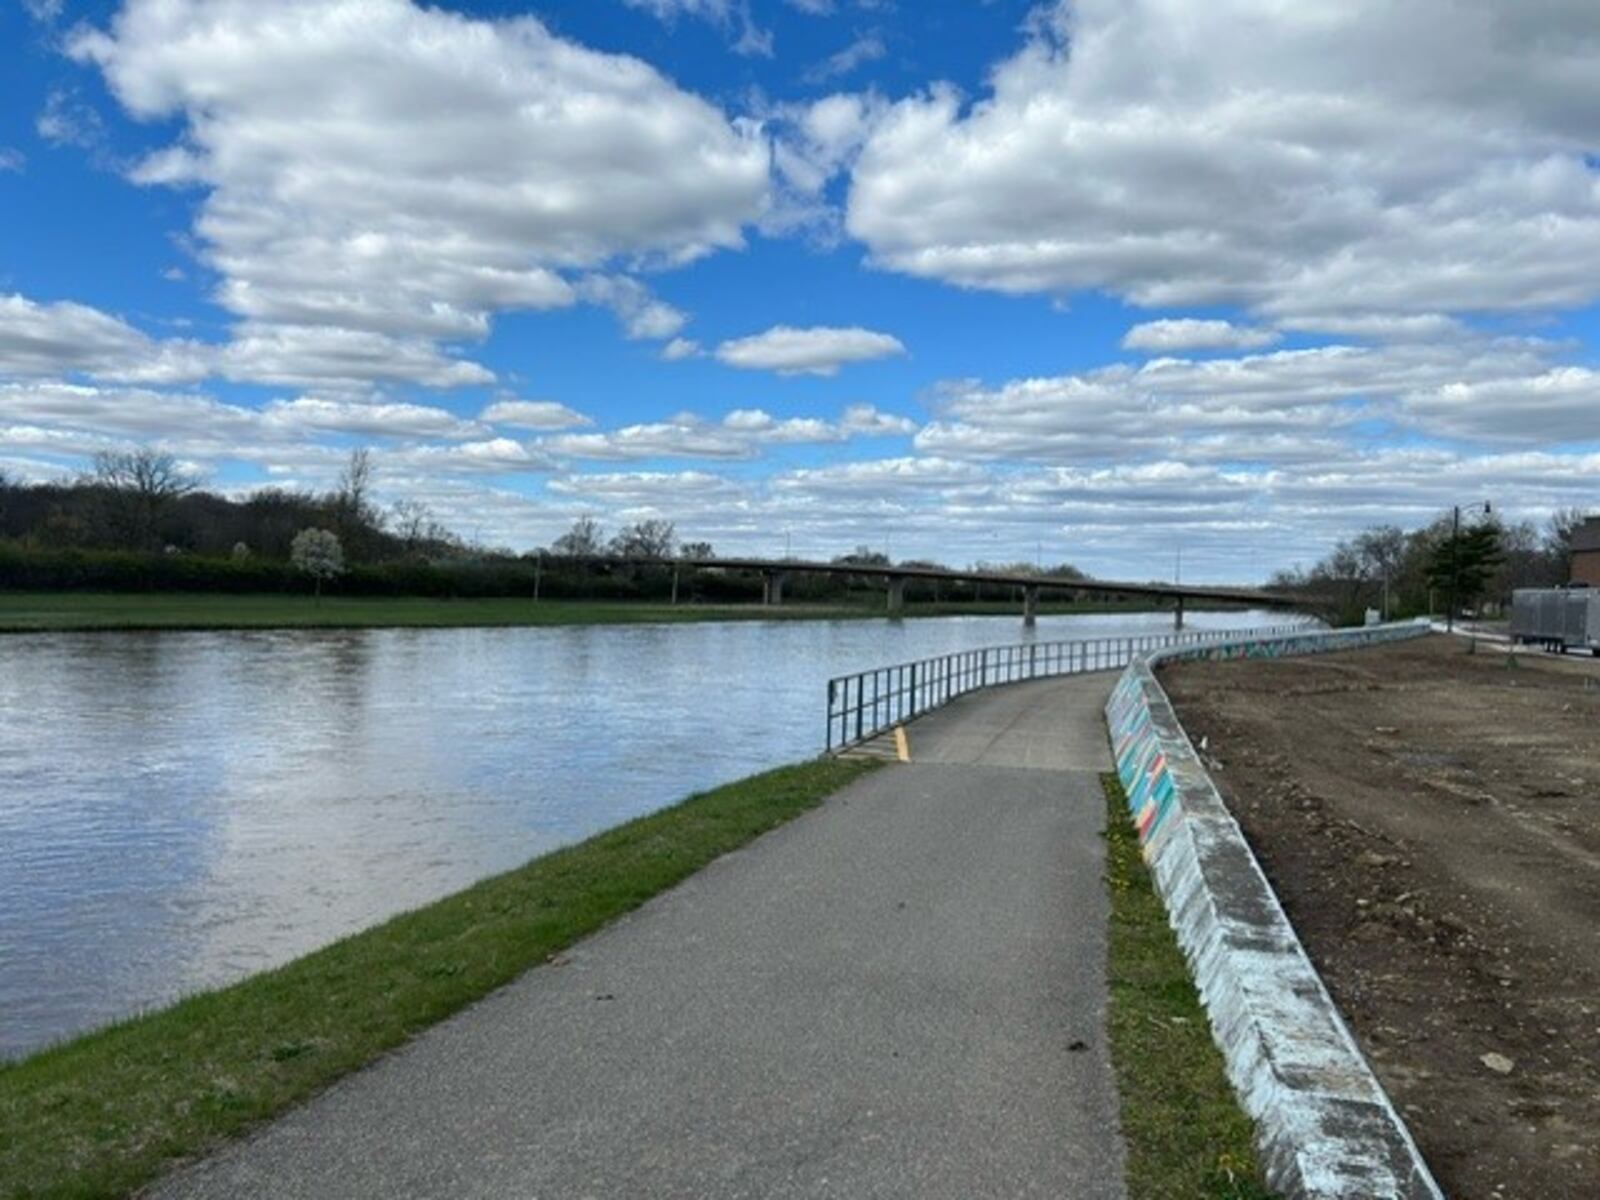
(1323, 1123)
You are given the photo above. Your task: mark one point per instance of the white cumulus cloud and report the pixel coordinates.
(1187, 333)
(820, 350)
(641, 314)
(313, 414)
(1297, 159)
(1279, 407)
(63, 338)
(741, 434)
(533, 414)
(332, 356)
(680, 348)
(377, 167)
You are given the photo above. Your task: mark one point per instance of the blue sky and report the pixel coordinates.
(972, 280)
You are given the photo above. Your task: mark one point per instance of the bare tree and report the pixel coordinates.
(145, 472)
(1558, 533)
(416, 527)
(1380, 549)
(584, 540)
(355, 482)
(1537, 563)
(645, 539)
(1379, 553)
(141, 483)
(412, 522)
(356, 519)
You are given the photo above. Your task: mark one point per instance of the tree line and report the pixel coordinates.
(135, 520)
(1405, 574)
(141, 501)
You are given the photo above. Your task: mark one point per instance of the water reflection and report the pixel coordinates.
(180, 810)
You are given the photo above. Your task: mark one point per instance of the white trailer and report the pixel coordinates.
(1557, 618)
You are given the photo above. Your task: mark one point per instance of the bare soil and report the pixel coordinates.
(1430, 819)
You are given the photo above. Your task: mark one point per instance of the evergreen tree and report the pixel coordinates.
(1467, 558)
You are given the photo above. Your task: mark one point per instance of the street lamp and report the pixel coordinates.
(1455, 542)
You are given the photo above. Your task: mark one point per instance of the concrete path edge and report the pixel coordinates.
(1324, 1125)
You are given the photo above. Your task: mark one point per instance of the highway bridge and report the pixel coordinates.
(775, 572)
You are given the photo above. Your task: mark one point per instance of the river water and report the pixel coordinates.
(179, 810)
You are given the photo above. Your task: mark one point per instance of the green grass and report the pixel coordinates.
(22, 612)
(105, 1113)
(1186, 1137)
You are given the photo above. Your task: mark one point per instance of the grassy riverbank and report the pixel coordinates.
(103, 1114)
(36, 611)
(1186, 1136)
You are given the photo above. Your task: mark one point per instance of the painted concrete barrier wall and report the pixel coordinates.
(1324, 1125)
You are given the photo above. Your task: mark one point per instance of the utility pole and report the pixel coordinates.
(1455, 538)
(1455, 549)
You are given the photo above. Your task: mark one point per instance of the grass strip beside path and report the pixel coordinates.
(30, 612)
(102, 1114)
(1186, 1137)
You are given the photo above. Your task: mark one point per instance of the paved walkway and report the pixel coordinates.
(900, 994)
(1048, 724)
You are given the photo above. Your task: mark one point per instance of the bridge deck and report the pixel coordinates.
(880, 999)
(894, 572)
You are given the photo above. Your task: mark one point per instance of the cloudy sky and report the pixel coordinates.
(1094, 280)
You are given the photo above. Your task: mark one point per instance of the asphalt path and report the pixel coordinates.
(899, 994)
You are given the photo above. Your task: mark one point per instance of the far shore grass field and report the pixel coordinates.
(103, 1114)
(1186, 1137)
(27, 612)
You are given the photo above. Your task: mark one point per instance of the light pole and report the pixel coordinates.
(1455, 549)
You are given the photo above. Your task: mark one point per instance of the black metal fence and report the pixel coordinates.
(863, 705)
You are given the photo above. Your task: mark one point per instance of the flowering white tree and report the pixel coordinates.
(317, 552)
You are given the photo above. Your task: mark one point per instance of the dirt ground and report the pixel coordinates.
(1431, 821)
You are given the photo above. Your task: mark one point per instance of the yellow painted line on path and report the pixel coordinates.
(901, 748)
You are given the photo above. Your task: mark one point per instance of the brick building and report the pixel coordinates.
(1586, 553)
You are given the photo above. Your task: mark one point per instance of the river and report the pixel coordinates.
(180, 810)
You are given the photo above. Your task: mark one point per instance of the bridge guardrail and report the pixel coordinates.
(867, 703)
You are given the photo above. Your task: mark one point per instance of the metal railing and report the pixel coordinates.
(865, 704)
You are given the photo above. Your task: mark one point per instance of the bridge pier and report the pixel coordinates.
(772, 587)
(897, 595)
(1177, 613)
(1030, 606)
